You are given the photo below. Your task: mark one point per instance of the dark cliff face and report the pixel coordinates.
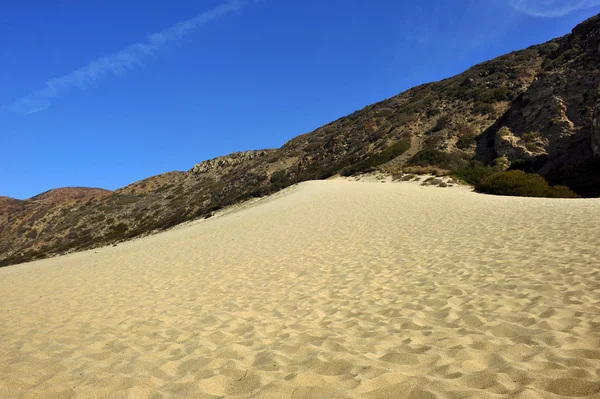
(537, 108)
(551, 128)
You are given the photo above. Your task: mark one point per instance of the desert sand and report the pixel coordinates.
(329, 289)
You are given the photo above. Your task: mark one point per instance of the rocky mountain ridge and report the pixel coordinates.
(536, 109)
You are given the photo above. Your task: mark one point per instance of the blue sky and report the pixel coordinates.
(105, 93)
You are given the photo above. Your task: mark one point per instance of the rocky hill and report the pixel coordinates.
(21, 219)
(66, 195)
(8, 204)
(537, 109)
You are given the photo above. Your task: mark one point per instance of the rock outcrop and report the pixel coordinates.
(219, 164)
(595, 139)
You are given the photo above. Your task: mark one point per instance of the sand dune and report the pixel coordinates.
(331, 289)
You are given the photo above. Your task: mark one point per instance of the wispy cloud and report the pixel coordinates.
(122, 61)
(551, 8)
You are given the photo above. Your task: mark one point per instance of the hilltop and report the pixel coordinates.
(536, 109)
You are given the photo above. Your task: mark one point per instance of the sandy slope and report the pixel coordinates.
(332, 289)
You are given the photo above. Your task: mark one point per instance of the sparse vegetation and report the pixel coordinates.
(530, 137)
(121, 200)
(386, 112)
(433, 142)
(473, 173)
(441, 159)
(484, 109)
(279, 180)
(521, 184)
(464, 129)
(117, 232)
(494, 95)
(466, 141)
(504, 132)
(532, 146)
(443, 122)
(374, 160)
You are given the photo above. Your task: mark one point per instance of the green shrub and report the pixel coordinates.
(433, 157)
(504, 132)
(433, 112)
(442, 123)
(473, 173)
(530, 137)
(400, 119)
(563, 192)
(484, 109)
(280, 180)
(484, 94)
(427, 157)
(526, 55)
(520, 184)
(116, 232)
(313, 145)
(494, 95)
(314, 171)
(533, 147)
(386, 112)
(121, 200)
(433, 141)
(466, 141)
(393, 151)
(374, 160)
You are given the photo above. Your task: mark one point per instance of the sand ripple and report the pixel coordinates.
(332, 289)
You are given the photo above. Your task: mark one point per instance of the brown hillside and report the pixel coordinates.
(67, 194)
(8, 204)
(535, 109)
